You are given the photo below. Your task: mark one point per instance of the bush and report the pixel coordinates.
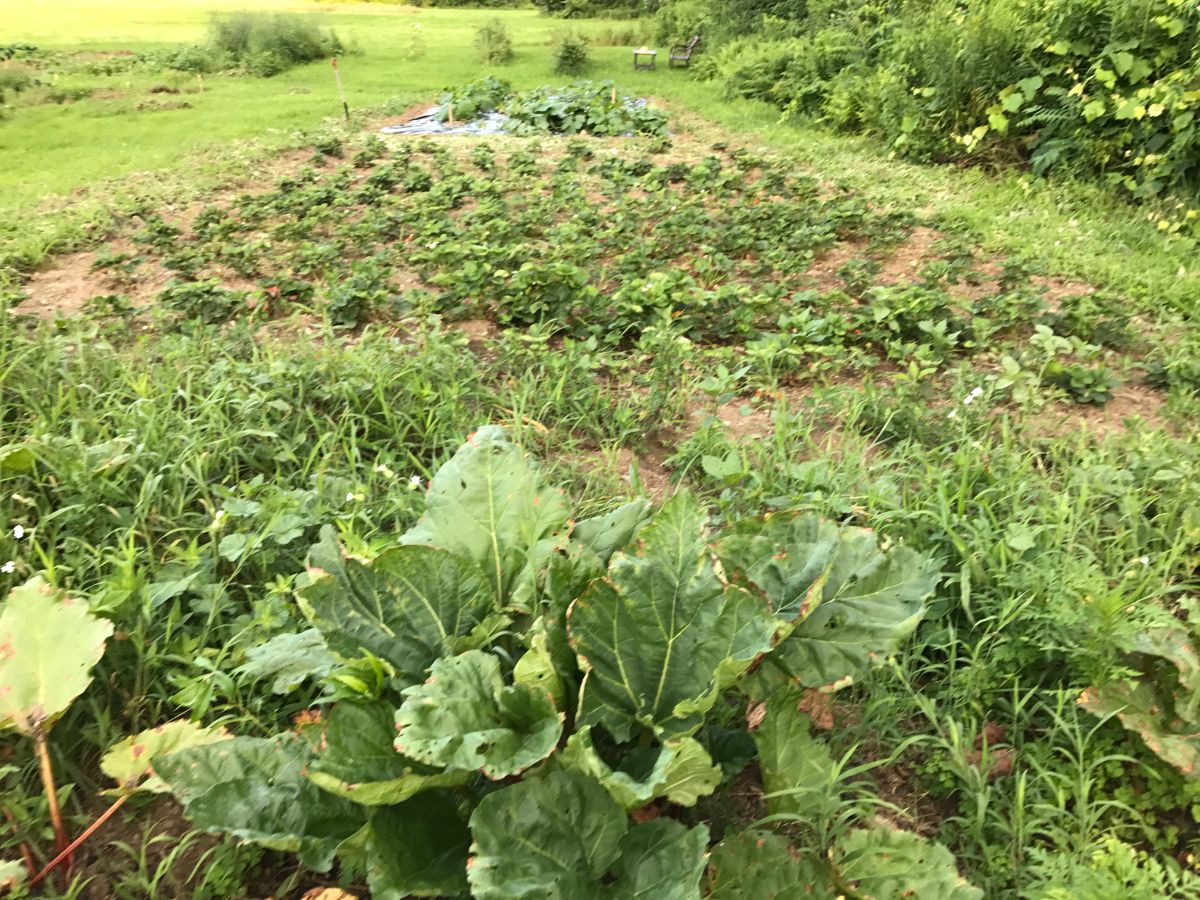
(270, 43)
(570, 53)
(493, 43)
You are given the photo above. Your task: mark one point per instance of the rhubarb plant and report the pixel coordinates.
(541, 678)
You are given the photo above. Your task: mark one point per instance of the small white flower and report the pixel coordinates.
(414, 483)
(968, 400)
(217, 518)
(8, 568)
(953, 414)
(18, 531)
(350, 497)
(385, 471)
(978, 392)
(432, 245)
(1145, 561)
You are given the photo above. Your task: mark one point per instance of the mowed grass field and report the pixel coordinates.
(63, 166)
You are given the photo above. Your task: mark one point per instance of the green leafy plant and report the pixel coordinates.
(493, 43)
(1082, 383)
(495, 623)
(570, 52)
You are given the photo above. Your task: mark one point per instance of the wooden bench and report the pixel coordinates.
(682, 54)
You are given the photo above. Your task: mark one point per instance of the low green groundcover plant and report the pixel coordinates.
(507, 685)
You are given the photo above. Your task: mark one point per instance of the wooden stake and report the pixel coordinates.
(341, 91)
(450, 113)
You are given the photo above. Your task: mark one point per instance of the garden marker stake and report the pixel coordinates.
(341, 90)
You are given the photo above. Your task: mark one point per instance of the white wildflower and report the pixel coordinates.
(8, 568)
(1145, 561)
(953, 414)
(414, 483)
(977, 392)
(385, 471)
(350, 497)
(18, 531)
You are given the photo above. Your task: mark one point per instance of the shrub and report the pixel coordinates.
(493, 43)
(270, 43)
(570, 53)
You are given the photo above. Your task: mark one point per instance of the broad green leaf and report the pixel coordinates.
(410, 606)
(796, 769)
(788, 558)
(255, 790)
(466, 717)
(549, 838)
(48, 645)
(660, 636)
(487, 504)
(605, 535)
(660, 860)
(289, 659)
(358, 761)
(680, 770)
(870, 602)
(881, 864)
(418, 849)
(562, 837)
(756, 864)
(130, 762)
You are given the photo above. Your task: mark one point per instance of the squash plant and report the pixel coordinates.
(537, 678)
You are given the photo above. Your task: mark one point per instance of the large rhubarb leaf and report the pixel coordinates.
(786, 557)
(680, 770)
(48, 645)
(660, 860)
(409, 607)
(605, 535)
(881, 864)
(254, 789)
(418, 849)
(869, 602)
(487, 505)
(662, 634)
(754, 865)
(358, 761)
(797, 769)
(1162, 704)
(466, 717)
(562, 837)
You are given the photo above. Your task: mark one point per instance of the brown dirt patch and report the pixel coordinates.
(1131, 403)
(62, 290)
(649, 469)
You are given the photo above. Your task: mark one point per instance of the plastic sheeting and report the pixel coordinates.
(427, 123)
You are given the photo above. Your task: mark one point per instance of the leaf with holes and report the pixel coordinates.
(755, 864)
(466, 717)
(797, 770)
(48, 645)
(661, 636)
(869, 602)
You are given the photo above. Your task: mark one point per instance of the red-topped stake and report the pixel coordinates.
(341, 91)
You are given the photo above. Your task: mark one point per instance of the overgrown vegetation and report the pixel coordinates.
(1098, 88)
(257, 519)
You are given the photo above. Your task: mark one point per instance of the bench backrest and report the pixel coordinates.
(693, 42)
